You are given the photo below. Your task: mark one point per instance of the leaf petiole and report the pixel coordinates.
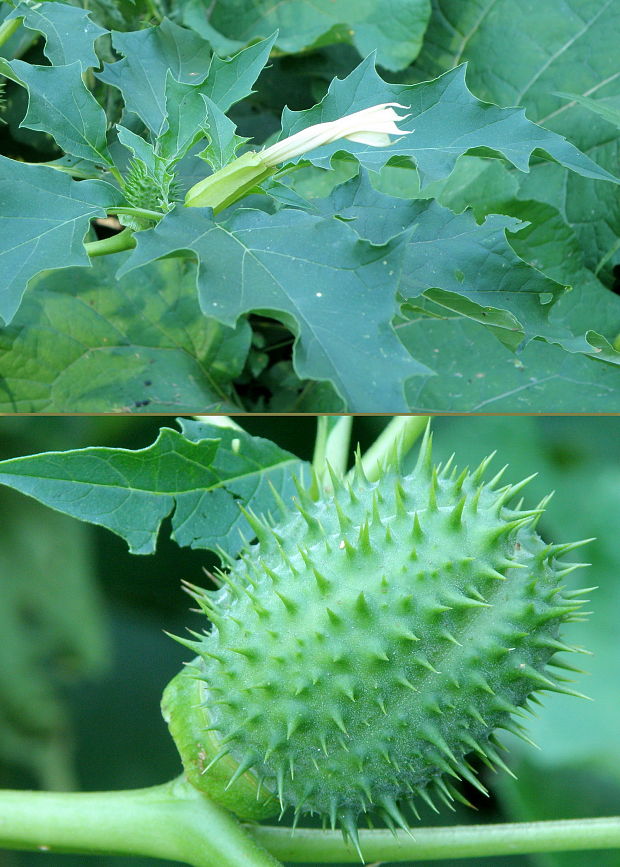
(137, 212)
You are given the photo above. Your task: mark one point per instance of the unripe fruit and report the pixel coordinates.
(372, 641)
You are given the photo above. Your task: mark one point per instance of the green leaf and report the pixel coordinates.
(223, 141)
(454, 254)
(151, 55)
(334, 290)
(85, 342)
(186, 114)
(198, 477)
(231, 79)
(549, 244)
(475, 373)
(69, 32)
(480, 184)
(542, 60)
(148, 56)
(394, 28)
(59, 103)
(45, 215)
(446, 120)
(572, 48)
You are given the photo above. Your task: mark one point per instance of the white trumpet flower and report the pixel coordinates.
(371, 126)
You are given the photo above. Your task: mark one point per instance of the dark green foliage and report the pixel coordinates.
(377, 635)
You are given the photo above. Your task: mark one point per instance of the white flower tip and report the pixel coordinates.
(371, 126)
(375, 139)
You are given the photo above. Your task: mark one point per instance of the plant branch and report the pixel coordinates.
(173, 821)
(138, 212)
(401, 433)
(333, 437)
(431, 844)
(114, 244)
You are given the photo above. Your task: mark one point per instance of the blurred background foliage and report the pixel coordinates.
(84, 660)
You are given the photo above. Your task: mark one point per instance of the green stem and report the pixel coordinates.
(400, 433)
(431, 844)
(176, 822)
(115, 174)
(138, 212)
(114, 244)
(173, 821)
(8, 28)
(333, 437)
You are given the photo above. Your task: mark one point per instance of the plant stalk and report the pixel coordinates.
(432, 844)
(176, 822)
(401, 433)
(333, 438)
(173, 821)
(114, 244)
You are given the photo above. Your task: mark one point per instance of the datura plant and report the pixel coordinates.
(366, 644)
(216, 233)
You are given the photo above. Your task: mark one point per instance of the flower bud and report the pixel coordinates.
(372, 126)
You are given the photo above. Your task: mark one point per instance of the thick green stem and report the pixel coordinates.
(114, 244)
(173, 821)
(333, 437)
(176, 822)
(401, 433)
(432, 844)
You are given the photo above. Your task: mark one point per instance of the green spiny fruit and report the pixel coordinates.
(370, 644)
(155, 190)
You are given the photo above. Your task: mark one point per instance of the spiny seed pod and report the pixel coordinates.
(144, 189)
(370, 644)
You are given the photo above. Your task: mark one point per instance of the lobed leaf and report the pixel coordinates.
(446, 120)
(69, 33)
(198, 477)
(572, 48)
(60, 104)
(465, 266)
(334, 290)
(45, 216)
(151, 55)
